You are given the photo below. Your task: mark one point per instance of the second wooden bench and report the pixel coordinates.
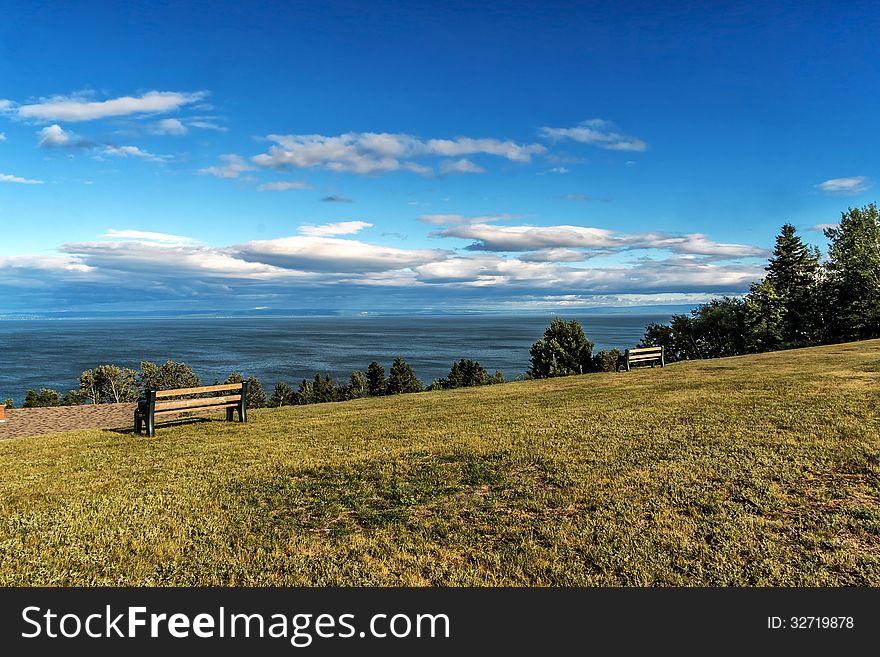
(643, 356)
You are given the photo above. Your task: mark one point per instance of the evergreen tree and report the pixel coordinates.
(282, 395)
(401, 378)
(853, 281)
(376, 379)
(466, 373)
(793, 274)
(323, 389)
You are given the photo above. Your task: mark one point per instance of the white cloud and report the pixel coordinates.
(555, 255)
(73, 108)
(532, 238)
(456, 219)
(559, 170)
(169, 127)
(2, 136)
(148, 236)
(294, 269)
(372, 153)
(821, 228)
(234, 166)
(460, 166)
(133, 151)
(338, 228)
(596, 132)
(546, 239)
(326, 254)
(283, 186)
(204, 124)
(468, 146)
(8, 178)
(54, 136)
(853, 185)
(163, 261)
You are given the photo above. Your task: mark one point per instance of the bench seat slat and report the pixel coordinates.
(644, 357)
(193, 403)
(646, 350)
(192, 391)
(196, 409)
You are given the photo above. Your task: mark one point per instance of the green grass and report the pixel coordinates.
(758, 470)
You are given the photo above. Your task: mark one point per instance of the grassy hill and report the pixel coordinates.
(756, 470)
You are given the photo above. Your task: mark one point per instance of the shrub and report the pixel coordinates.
(358, 386)
(46, 397)
(607, 361)
(564, 350)
(256, 397)
(168, 376)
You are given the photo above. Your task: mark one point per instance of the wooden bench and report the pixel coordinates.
(643, 356)
(162, 402)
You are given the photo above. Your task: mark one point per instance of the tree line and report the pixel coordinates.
(107, 384)
(802, 301)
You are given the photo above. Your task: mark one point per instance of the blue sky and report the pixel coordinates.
(421, 156)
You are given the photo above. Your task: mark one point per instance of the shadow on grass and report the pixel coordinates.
(167, 424)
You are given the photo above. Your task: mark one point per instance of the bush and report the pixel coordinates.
(73, 398)
(564, 350)
(358, 386)
(306, 393)
(8, 403)
(256, 397)
(168, 376)
(46, 397)
(607, 361)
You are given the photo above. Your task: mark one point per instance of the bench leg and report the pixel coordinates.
(242, 413)
(138, 423)
(151, 425)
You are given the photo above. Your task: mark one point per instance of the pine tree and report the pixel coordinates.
(376, 379)
(793, 274)
(283, 395)
(401, 378)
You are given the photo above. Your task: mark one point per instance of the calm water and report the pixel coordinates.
(53, 353)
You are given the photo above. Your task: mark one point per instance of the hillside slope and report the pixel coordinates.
(755, 470)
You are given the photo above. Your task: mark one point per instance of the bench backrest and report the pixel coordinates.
(643, 355)
(194, 391)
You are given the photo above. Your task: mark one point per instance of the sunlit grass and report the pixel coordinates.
(757, 470)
